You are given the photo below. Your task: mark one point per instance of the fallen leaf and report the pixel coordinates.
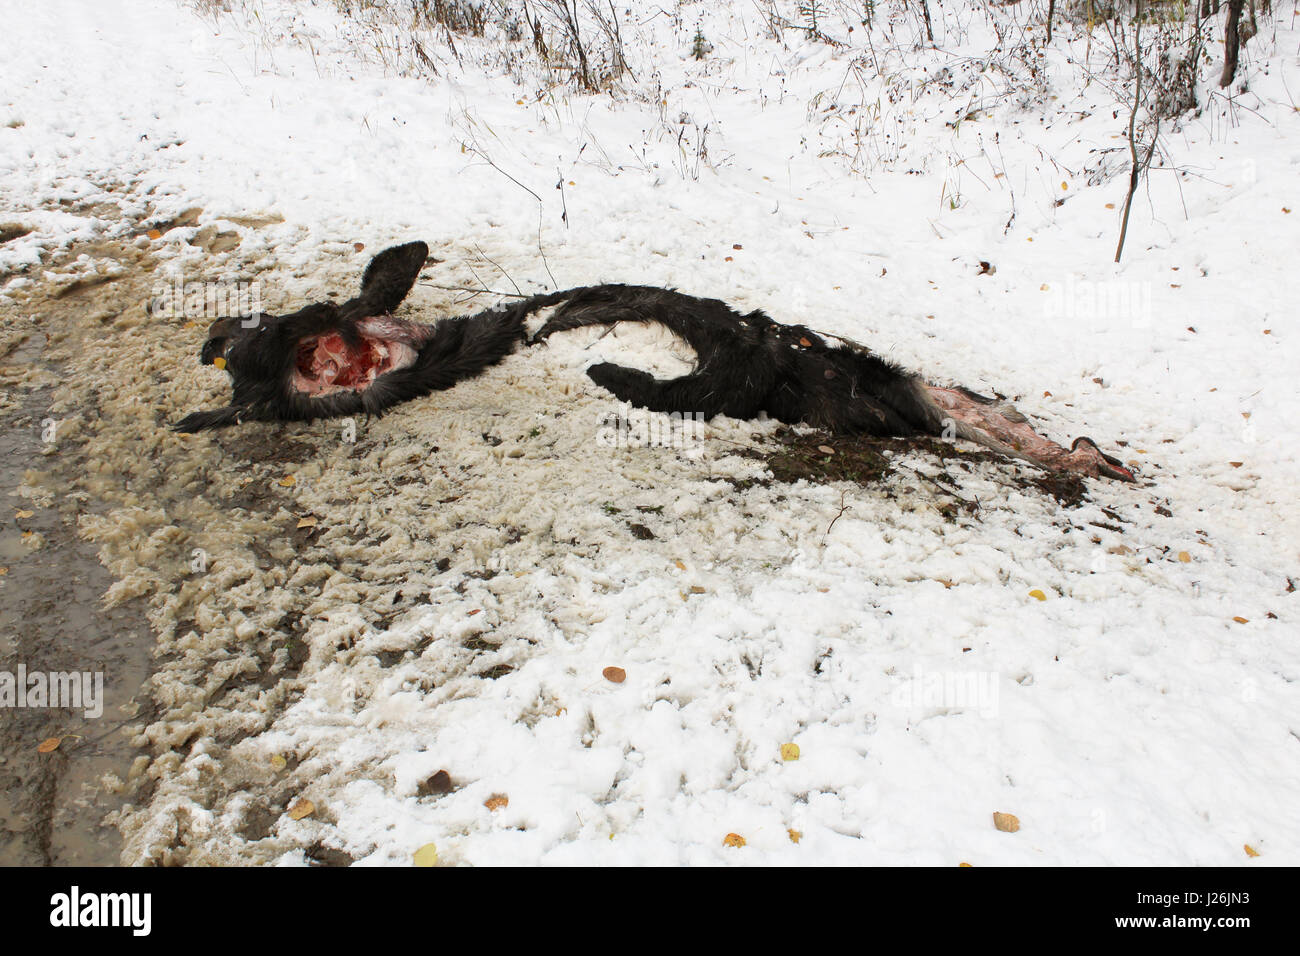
(1184, 557)
(826, 449)
(278, 761)
(23, 514)
(308, 522)
(154, 234)
(1037, 595)
(696, 589)
(358, 246)
(476, 610)
(733, 839)
(795, 835)
(1242, 620)
(805, 343)
(615, 675)
(1250, 850)
(49, 745)
(1236, 464)
(497, 802)
(287, 481)
(680, 566)
(1006, 822)
(963, 864)
(301, 808)
(789, 751)
(426, 855)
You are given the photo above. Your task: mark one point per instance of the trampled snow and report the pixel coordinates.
(1144, 711)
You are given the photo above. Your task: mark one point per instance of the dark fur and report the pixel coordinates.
(260, 350)
(748, 364)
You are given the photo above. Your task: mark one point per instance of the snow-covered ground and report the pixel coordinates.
(1141, 707)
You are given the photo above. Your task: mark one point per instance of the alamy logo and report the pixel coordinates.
(74, 908)
(631, 427)
(957, 690)
(78, 690)
(179, 299)
(1082, 299)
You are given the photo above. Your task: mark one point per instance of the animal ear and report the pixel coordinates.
(390, 275)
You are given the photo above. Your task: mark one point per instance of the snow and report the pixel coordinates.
(1125, 719)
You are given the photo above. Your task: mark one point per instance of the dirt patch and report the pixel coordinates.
(792, 455)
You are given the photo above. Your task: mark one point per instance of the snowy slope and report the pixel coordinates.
(1127, 718)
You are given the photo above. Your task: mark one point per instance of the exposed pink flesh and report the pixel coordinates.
(326, 363)
(1083, 458)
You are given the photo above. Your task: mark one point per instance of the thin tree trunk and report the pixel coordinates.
(1231, 41)
(1136, 171)
(1051, 11)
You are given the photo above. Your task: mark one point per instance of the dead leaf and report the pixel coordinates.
(308, 522)
(733, 839)
(1242, 620)
(49, 745)
(795, 835)
(497, 802)
(301, 808)
(615, 675)
(1184, 557)
(789, 751)
(1006, 822)
(426, 855)
(1250, 850)
(1037, 595)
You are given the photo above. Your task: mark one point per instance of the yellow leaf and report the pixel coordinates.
(1184, 557)
(497, 802)
(1065, 185)
(789, 751)
(1250, 850)
(1037, 595)
(219, 362)
(287, 481)
(23, 514)
(1006, 822)
(278, 762)
(49, 745)
(733, 839)
(795, 835)
(308, 522)
(680, 566)
(1241, 620)
(301, 808)
(154, 234)
(426, 855)
(963, 863)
